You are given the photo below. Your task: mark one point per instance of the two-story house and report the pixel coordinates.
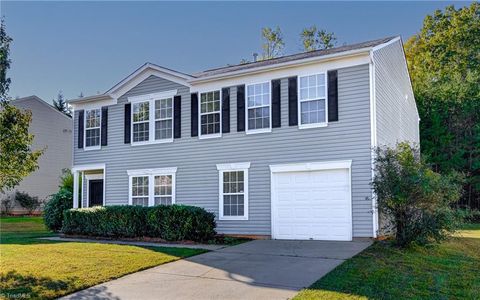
(280, 148)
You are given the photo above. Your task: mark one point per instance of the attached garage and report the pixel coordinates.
(312, 201)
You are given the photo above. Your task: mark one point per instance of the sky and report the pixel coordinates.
(87, 47)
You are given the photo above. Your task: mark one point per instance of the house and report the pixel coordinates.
(52, 131)
(279, 148)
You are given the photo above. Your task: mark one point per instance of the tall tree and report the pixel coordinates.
(315, 39)
(272, 42)
(61, 105)
(17, 159)
(444, 64)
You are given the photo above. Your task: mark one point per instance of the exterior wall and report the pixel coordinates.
(52, 130)
(396, 111)
(196, 159)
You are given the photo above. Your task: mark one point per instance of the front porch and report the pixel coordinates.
(88, 185)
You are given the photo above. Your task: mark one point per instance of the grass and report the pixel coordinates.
(450, 270)
(33, 268)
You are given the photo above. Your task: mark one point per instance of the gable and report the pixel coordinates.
(152, 84)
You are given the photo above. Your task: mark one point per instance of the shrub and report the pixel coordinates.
(171, 223)
(66, 180)
(415, 200)
(469, 215)
(53, 211)
(28, 202)
(7, 205)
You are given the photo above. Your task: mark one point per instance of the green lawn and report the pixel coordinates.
(450, 270)
(44, 269)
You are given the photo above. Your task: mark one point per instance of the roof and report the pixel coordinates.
(36, 98)
(293, 57)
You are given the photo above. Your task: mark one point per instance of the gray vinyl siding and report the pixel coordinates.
(396, 114)
(196, 159)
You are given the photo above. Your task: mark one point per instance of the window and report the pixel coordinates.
(92, 128)
(140, 190)
(141, 116)
(258, 107)
(312, 100)
(210, 113)
(151, 187)
(163, 119)
(233, 191)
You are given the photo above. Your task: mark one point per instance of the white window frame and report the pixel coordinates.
(96, 147)
(299, 105)
(151, 173)
(234, 167)
(151, 98)
(261, 130)
(212, 135)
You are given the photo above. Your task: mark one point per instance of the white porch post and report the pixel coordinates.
(75, 189)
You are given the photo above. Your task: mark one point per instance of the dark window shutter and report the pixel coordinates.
(241, 108)
(332, 96)
(104, 129)
(276, 105)
(81, 119)
(194, 117)
(292, 101)
(177, 117)
(226, 110)
(127, 123)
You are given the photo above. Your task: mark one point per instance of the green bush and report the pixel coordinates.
(30, 203)
(168, 222)
(469, 215)
(415, 201)
(53, 211)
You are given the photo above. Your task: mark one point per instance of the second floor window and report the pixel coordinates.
(163, 119)
(210, 113)
(152, 121)
(312, 100)
(258, 104)
(92, 128)
(141, 117)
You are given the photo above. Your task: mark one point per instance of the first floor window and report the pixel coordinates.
(140, 190)
(313, 99)
(233, 192)
(92, 128)
(210, 113)
(140, 121)
(258, 106)
(163, 190)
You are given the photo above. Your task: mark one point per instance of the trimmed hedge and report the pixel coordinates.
(168, 222)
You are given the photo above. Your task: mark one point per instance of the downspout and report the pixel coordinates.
(373, 139)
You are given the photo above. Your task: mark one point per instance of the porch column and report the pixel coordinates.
(75, 189)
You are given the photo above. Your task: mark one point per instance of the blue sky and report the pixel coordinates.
(89, 46)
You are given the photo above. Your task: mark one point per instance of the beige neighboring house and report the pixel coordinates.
(53, 130)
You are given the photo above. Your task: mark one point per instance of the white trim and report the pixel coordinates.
(153, 96)
(260, 130)
(87, 178)
(96, 147)
(88, 167)
(151, 173)
(373, 141)
(310, 166)
(396, 39)
(91, 104)
(76, 188)
(299, 103)
(211, 135)
(233, 167)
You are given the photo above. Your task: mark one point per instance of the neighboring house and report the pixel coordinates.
(52, 131)
(279, 148)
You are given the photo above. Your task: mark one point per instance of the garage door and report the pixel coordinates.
(312, 205)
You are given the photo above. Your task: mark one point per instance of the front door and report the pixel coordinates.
(95, 192)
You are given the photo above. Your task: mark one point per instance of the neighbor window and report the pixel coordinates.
(210, 113)
(141, 117)
(151, 187)
(233, 192)
(312, 100)
(258, 107)
(92, 128)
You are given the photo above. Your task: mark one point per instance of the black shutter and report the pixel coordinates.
(276, 106)
(292, 102)
(226, 110)
(127, 123)
(177, 116)
(332, 96)
(194, 117)
(241, 108)
(104, 129)
(80, 129)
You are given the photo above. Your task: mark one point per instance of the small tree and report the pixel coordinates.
(7, 204)
(28, 202)
(315, 39)
(414, 200)
(272, 44)
(5, 41)
(61, 105)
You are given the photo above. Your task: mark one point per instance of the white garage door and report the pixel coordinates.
(312, 205)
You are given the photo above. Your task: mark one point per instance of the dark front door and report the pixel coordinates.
(95, 192)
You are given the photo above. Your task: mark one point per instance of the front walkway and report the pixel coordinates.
(262, 269)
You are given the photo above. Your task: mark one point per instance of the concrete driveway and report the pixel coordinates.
(263, 269)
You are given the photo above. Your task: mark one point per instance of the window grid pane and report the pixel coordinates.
(163, 119)
(140, 190)
(141, 126)
(210, 112)
(258, 103)
(312, 99)
(233, 193)
(163, 190)
(92, 127)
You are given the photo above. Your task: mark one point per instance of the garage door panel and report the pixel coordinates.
(312, 205)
